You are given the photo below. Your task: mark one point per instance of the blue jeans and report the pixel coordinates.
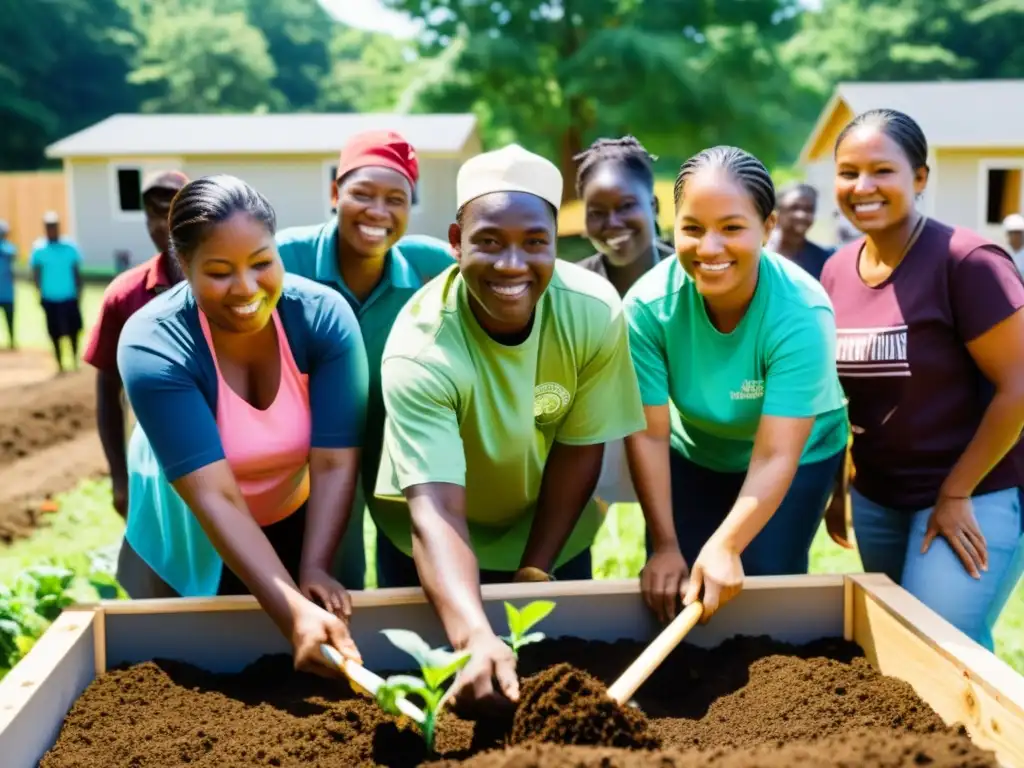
(889, 542)
(397, 569)
(702, 498)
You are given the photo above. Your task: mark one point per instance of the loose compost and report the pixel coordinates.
(748, 702)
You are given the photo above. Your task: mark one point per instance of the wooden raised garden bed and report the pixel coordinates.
(901, 638)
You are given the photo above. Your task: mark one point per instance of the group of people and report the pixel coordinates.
(55, 262)
(487, 401)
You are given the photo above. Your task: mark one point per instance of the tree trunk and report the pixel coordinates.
(570, 145)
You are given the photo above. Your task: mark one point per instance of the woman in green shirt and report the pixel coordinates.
(734, 349)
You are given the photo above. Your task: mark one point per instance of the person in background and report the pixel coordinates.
(56, 269)
(249, 386)
(1013, 226)
(503, 379)
(734, 348)
(615, 180)
(127, 293)
(931, 355)
(797, 205)
(8, 256)
(364, 255)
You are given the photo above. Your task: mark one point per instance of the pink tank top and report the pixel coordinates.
(268, 451)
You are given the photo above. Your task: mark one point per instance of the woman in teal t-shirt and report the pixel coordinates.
(734, 349)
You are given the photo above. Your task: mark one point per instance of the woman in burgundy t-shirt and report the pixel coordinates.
(931, 355)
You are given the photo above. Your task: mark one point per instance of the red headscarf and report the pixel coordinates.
(382, 148)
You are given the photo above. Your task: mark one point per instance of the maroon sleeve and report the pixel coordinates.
(101, 350)
(985, 290)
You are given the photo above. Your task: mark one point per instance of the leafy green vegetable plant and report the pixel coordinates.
(520, 621)
(436, 666)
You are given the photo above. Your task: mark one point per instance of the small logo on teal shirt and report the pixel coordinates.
(752, 389)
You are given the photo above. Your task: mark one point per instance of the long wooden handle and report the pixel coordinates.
(636, 674)
(368, 681)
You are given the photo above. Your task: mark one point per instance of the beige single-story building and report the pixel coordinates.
(289, 158)
(975, 132)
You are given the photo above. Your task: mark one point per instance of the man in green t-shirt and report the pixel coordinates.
(503, 378)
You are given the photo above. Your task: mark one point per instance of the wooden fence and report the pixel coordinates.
(24, 198)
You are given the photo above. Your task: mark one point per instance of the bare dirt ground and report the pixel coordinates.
(48, 440)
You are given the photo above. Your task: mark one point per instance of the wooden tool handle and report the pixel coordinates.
(636, 674)
(363, 678)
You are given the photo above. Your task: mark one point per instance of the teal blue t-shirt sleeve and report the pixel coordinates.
(338, 375)
(647, 348)
(800, 380)
(166, 398)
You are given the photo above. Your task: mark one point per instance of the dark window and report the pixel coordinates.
(129, 189)
(1003, 194)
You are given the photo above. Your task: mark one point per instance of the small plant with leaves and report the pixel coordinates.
(522, 620)
(436, 666)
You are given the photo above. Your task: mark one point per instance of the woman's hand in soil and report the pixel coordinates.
(719, 571)
(663, 581)
(488, 682)
(313, 627)
(953, 518)
(320, 587)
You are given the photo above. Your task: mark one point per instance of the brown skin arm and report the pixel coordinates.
(214, 497)
(37, 278)
(999, 354)
(663, 580)
(78, 280)
(110, 423)
(333, 474)
(647, 453)
(450, 575)
(570, 476)
(447, 566)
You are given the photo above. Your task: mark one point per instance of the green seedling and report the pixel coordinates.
(521, 621)
(436, 666)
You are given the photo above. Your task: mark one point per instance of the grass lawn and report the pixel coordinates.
(86, 532)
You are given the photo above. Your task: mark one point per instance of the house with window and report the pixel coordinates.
(975, 132)
(289, 158)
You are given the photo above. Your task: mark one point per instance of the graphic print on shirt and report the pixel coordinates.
(550, 401)
(751, 389)
(872, 352)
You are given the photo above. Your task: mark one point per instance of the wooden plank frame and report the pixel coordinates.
(900, 636)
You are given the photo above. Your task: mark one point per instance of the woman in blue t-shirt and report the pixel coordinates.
(249, 386)
(734, 349)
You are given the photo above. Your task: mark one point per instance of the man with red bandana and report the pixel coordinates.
(364, 254)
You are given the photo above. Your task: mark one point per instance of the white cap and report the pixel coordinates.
(510, 169)
(1014, 223)
(51, 217)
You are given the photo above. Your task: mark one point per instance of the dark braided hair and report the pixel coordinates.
(628, 151)
(204, 203)
(899, 127)
(742, 166)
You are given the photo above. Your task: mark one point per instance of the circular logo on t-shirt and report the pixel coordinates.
(549, 402)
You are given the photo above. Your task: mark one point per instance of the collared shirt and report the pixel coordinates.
(8, 255)
(57, 262)
(312, 253)
(127, 294)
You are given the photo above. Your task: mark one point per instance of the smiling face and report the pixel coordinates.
(719, 236)
(236, 275)
(796, 213)
(619, 213)
(506, 252)
(875, 183)
(373, 210)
